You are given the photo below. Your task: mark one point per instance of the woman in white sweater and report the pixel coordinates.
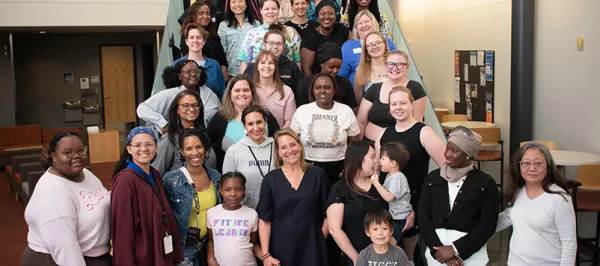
(540, 211)
(69, 211)
(253, 154)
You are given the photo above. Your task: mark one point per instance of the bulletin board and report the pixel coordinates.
(474, 84)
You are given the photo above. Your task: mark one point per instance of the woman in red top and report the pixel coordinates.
(143, 228)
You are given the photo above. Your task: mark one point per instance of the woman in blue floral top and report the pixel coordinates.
(253, 42)
(240, 19)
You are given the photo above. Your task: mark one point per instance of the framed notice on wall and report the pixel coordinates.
(474, 84)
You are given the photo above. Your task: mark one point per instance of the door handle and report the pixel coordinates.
(106, 97)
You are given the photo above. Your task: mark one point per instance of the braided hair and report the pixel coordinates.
(46, 158)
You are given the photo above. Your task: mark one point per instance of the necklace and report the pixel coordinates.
(380, 72)
(303, 26)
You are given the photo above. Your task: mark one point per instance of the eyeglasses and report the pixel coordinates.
(147, 145)
(187, 106)
(374, 44)
(398, 65)
(191, 71)
(525, 165)
(70, 153)
(274, 44)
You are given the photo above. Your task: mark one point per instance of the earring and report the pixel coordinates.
(468, 158)
(368, 57)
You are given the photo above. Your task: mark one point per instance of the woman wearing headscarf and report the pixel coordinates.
(327, 31)
(143, 230)
(329, 56)
(458, 210)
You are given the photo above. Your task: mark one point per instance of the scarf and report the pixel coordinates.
(452, 175)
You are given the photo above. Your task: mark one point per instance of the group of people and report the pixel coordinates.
(289, 162)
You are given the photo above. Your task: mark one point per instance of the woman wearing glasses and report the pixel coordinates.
(192, 190)
(539, 210)
(252, 43)
(458, 210)
(195, 38)
(372, 68)
(374, 111)
(289, 72)
(186, 111)
(421, 143)
(142, 226)
(69, 212)
(185, 75)
(364, 24)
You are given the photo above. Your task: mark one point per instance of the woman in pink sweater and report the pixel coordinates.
(69, 212)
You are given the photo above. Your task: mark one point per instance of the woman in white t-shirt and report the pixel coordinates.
(539, 209)
(69, 211)
(325, 126)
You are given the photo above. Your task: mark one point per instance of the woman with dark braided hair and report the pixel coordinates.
(186, 111)
(69, 211)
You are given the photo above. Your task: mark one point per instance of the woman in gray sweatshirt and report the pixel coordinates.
(253, 154)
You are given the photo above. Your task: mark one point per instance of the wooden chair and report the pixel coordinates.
(551, 145)
(491, 138)
(450, 118)
(586, 198)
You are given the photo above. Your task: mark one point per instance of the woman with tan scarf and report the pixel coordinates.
(458, 210)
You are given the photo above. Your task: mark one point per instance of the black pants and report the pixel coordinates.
(34, 258)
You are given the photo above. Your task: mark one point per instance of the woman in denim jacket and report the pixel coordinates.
(191, 200)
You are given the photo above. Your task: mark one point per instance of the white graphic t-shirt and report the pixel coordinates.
(231, 234)
(324, 133)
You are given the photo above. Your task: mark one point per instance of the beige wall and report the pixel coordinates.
(35, 13)
(434, 29)
(566, 87)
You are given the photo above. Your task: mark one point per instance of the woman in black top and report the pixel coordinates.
(329, 56)
(291, 210)
(327, 31)
(374, 112)
(352, 198)
(458, 211)
(420, 142)
(199, 13)
(300, 22)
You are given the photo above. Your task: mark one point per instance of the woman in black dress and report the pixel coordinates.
(291, 209)
(352, 198)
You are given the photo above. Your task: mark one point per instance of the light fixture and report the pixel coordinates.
(42, 32)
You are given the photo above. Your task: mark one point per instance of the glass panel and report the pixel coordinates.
(171, 32)
(413, 72)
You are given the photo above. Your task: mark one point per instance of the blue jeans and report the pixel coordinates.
(398, 226)
(190, 255)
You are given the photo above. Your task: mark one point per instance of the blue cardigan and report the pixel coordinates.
(216, 80)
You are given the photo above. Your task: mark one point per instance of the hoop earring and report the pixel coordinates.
(368, 57)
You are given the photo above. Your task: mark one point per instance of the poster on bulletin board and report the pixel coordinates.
(474, 84)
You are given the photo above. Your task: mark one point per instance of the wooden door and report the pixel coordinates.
(118, 84)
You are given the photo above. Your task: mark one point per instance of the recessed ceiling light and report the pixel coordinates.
(42, 32)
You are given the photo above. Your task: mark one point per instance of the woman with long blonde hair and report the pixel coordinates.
(371, 69)
(364, 23)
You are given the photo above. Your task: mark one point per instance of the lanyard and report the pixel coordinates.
(196, 201)
(258, 164)
(155, 188)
